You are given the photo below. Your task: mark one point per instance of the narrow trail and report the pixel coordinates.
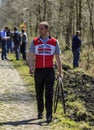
(17, 105)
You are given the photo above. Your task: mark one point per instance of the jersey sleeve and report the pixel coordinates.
(32, 47)
(57, 50)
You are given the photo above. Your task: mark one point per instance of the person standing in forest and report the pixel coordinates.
(76, 47)
(9, 41)
(43, 48)
(24, 41)
(4, 38)
(17, 42)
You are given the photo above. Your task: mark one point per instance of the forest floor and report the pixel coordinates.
(18, 102)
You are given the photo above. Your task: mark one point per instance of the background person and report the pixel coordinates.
(17, 41)
(4, 38)
(76, 47)
(9, 42)
(23, 44)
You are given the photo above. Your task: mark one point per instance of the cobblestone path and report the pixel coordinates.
(17, 105)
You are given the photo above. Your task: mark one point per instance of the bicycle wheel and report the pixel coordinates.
(62, 96)
(56, 96)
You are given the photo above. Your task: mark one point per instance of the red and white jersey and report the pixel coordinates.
(44, 52)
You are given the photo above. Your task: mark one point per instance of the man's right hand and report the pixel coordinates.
(31, 71)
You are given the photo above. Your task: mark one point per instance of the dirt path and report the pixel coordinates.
(17, 105)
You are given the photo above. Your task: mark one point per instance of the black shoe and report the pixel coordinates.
(49, 118)
(40, 116)
(6, 58)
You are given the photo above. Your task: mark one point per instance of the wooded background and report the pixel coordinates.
(64, 17)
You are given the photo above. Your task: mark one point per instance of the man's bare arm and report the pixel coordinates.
(31, 61)
(59, 64)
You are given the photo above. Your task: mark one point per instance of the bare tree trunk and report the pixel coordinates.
(49, 11)
(44, 17)
(78, 14)
(69, 26)
(30, 26)
(88, 58)
(38, 17)
(91, 20)
(59, 21)
(77, 19)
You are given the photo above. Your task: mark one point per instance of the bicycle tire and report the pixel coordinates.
(62, 97)
(56, 97)
(59, 94)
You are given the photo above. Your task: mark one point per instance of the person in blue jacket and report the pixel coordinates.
(76, 47)
(17, 42)
(4, 38)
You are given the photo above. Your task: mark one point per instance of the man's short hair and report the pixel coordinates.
(6, 27)
(22, 31)
(46, 25)
(77, 32)
(15, 28)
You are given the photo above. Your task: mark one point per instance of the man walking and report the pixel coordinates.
(42, 50)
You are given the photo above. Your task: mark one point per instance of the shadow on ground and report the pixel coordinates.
(25, 122)
(17, 97)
